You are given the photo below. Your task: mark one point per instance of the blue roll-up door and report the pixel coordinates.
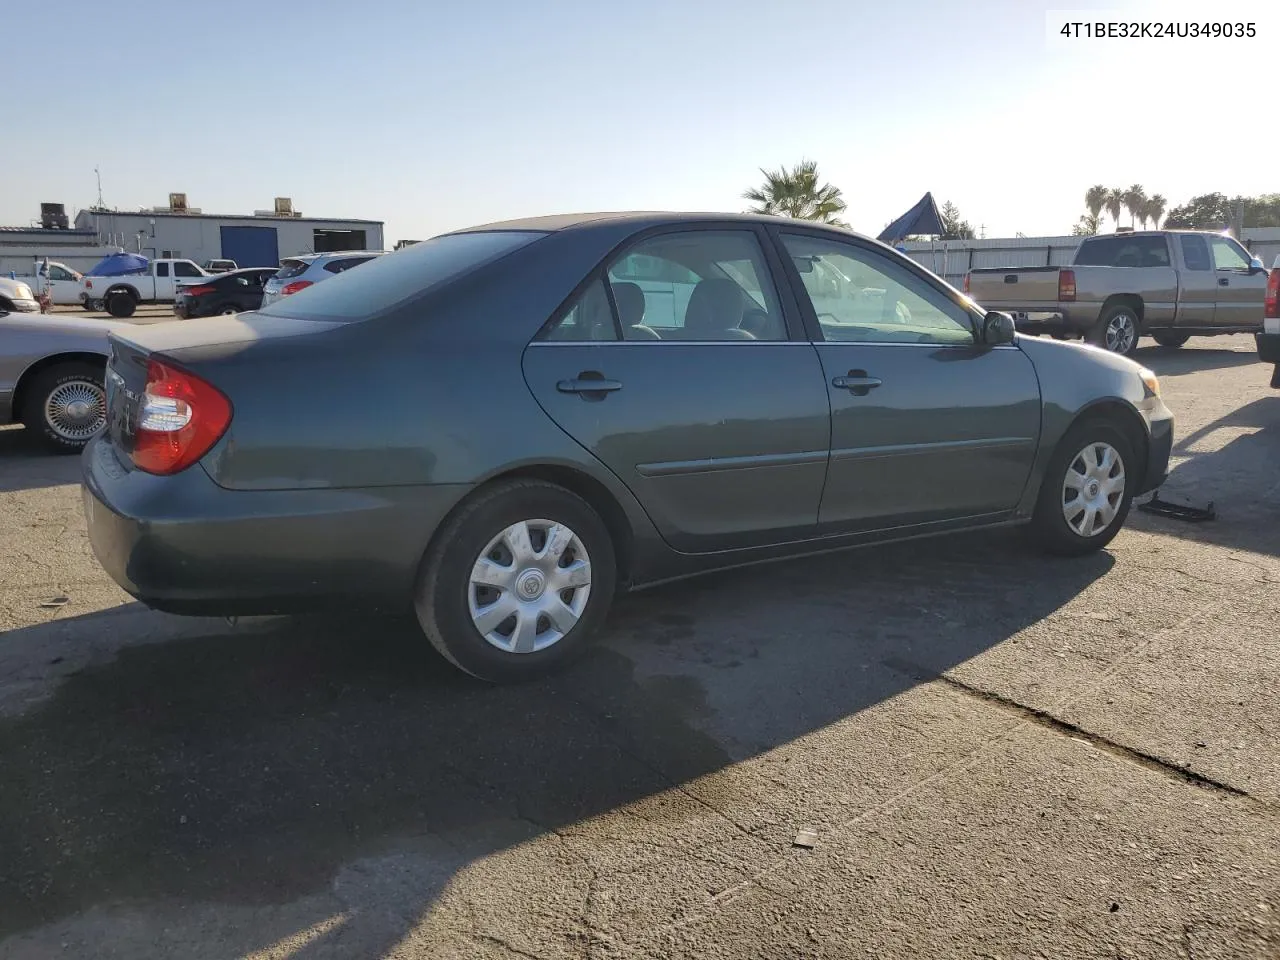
(251, 246)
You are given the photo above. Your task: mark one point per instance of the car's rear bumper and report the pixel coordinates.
(1268, 346)
(185, 545)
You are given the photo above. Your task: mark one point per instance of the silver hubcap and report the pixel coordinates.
(76, 410)
(1122, 332)
(529, 586)
(1093, 489)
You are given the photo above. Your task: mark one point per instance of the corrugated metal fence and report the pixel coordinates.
(951, 259)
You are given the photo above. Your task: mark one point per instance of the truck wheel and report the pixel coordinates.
(66, 406)
(88, 305)
(1170, 340)
(121, 305)
(1117, 330)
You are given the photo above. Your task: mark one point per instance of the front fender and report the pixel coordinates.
(1076, 379)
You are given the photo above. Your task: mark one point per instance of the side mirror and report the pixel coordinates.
(997, 328)
(1255, 266)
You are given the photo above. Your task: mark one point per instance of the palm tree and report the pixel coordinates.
(1114, 201)
(1095, 198)
(1134, 199)
(797, 194)
(1155, 209)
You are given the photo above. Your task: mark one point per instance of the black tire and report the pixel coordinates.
(1116, 313)
(227, 309)
(121, 304)
(5, 306)
(36, 396)
(1049, 529)
(1171, 340)
(444, 591)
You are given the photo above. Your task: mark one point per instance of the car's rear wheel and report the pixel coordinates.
(1117, 330)
(227, 310)
(121, 305)
(1170, 340)
(1087, 489)
(66, 406)
(517, 581)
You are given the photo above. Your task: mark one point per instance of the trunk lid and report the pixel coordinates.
(993, 286)
(180, 341)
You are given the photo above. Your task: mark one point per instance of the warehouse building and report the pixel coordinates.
(257, 240)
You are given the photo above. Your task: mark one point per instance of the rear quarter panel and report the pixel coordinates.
(1074, 379)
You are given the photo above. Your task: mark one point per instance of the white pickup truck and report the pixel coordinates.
(121, 295)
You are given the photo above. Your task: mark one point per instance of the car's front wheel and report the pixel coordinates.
(517, 581)
(1087, 489)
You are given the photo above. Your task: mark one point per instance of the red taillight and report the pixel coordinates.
(199, 291)
(295, 287)
(181, 418)
(1066, 284)
(966, 283)
(88, 284)
(1271, 305)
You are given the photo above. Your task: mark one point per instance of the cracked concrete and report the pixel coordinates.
(1001, 754)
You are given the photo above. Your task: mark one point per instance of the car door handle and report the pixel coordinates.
(856, 382)
(589, 382)
(1224, 281)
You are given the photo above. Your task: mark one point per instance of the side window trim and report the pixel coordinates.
(809, 317)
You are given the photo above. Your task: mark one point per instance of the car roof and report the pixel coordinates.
(641, 219)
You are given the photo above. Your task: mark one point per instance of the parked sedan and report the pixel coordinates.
(226, 293)
(51, 377)
(298, 273)
(505, 425)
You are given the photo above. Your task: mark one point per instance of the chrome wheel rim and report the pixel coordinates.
(76, 410)
(1093, 489)
(1122, 332)
(530, 586)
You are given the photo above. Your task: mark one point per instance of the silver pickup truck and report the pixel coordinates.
(1167, 284)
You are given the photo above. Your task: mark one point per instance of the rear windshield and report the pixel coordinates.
(291, 268)
(388, 280)
(1124, 251)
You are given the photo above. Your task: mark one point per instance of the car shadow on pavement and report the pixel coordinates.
(249, 765)
(1174, 362)
(1238, 452)
(26, 465)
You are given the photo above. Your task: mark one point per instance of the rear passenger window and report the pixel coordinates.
(1195, 252)
(588, 318)
(705, 285)
(162, 269)
(186, 270)
(337, 266)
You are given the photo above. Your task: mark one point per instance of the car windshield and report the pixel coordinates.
(388, 280)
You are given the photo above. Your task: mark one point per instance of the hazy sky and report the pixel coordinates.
(433, 115)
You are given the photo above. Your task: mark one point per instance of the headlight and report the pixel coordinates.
(24, 292)
(1151, 382)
